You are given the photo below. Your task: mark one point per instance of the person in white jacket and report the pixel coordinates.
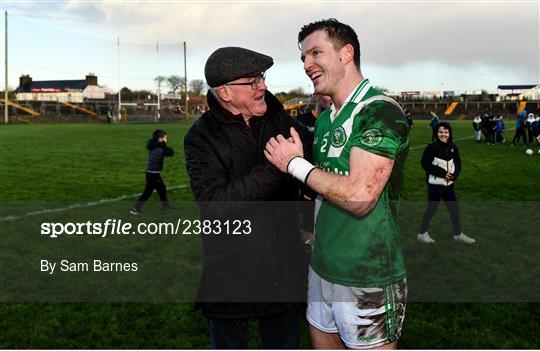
(529, 126)
(477, 125)
(442, 165)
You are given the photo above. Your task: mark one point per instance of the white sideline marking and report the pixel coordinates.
(86, 204)
(103, 201)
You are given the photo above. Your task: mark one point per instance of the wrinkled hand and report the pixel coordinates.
(279, 151)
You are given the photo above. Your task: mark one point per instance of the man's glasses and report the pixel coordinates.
(254, 84)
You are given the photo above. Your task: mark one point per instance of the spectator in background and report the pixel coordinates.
(477, 125)
(485, 125)
(491, 125)
(322, 102)
(520, 129)
(434, 125)
(529, 126)
(499, 129)
(536, 129)
(408, 114)
(442, 165)
(158, 150)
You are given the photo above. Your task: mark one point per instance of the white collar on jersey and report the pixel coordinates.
(356, 95)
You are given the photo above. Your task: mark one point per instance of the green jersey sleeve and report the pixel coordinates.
(380, 128)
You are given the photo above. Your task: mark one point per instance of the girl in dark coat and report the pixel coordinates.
(442, 165)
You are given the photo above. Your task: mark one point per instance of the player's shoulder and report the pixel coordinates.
(382, 108)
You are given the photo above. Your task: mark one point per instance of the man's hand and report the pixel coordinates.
(449, 176)
(279, 151)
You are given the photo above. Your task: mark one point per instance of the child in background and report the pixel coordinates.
(158, 150)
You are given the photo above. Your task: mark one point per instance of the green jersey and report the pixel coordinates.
(349, 250)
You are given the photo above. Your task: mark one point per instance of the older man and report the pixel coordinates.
(357, 288)
(259, 274)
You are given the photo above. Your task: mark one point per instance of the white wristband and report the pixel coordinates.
(300, 168)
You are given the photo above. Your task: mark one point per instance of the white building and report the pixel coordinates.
(76, 91)
(518, 92)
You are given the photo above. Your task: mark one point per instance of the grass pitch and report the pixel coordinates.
(56, 166)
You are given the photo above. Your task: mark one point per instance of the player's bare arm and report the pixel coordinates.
(357, 193)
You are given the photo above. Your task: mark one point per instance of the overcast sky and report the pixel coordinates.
(405, 45)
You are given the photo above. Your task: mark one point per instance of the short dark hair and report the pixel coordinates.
(340, 34)
(158, 133)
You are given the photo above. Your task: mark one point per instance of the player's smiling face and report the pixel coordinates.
(322, 63)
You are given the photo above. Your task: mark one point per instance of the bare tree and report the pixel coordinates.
(196, 86)
(297, 92)
(160, 80)
(175, 83)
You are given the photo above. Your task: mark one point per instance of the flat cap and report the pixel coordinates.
(231, 63)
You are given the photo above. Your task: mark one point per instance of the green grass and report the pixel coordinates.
(77, 162)
(462, 296)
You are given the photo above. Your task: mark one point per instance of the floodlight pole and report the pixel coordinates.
(6, 114)
(119, 88)
(158, 85)
(186, 98)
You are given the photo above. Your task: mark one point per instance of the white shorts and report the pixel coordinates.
(363, 317)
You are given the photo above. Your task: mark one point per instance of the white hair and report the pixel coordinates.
(214, 92)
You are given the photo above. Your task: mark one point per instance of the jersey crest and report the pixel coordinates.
(371, 137)
(339, 137)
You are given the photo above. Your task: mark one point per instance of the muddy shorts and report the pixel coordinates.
(363, 317)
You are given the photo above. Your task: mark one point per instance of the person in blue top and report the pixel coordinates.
(499, 129)
(520, 129)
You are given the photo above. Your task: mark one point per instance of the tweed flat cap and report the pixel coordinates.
(231, 63)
